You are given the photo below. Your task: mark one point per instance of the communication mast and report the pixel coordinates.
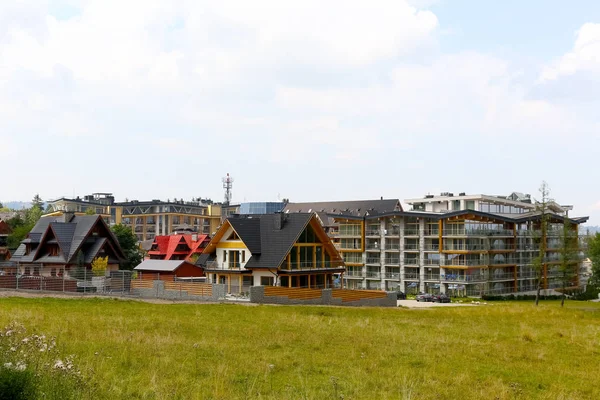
(227, 185)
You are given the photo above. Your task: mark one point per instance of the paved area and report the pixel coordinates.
(416, 304)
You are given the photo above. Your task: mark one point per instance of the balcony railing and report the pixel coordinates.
(225, 266)
(392, 275)
(432, 277)
(392, 261)
(478, 232)
(373, 275)
(411, 246)
(301, 266)
(464, 278)
(428, 261)
(465, 263)
(411, 261)
(373, 246)
(354, 273)
(411, 232)
(410, 276)
(431, 247)
(502, 277)
(464, 247)
(432, 232)
(373, 260)
(505, 261)
(392, 232)
(373, 232)
(392, 246)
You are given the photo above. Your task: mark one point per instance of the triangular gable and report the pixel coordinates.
(85, 231)
(218, 237)
(324, 239)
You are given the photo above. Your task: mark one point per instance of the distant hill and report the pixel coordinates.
(16, 205)
(592, 229)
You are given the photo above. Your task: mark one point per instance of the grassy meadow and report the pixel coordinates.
(137, 350)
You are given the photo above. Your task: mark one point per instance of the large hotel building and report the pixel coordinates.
(461, 244)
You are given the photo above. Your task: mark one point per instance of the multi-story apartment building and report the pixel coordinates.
(148, 219)
(469, 245)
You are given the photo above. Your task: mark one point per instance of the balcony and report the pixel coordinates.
(353, 274)
(411, 232)
(463, 247)
(308, 266)
(411, 247)
(428, 261)
(373, 260)
(432, 277)
(373, 232)
(411, 261)
(432, 232)
(505, 261)
(373, 246)
(432, 247)
(411, 276)
(392, 246)
(392, 275)
(373, 275)
(478, 232)
(502, 277)
(226, 266)
(464, 278)
(392, 232)
(465, 263)
(392, 261)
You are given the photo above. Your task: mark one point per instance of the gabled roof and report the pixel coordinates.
(161, 265)
(267, 244)
(167, 245)
(70, 232)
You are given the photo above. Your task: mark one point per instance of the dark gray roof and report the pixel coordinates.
(352, 207)
(268, 245)
(70, 232)
(249, 230)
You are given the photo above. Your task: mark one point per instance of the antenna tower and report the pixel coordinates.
(227, 185)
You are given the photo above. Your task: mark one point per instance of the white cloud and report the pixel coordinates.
(585, 56)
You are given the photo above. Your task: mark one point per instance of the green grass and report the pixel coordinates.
(503, 351)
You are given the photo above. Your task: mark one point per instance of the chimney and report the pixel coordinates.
(68, 216)
(279, 220)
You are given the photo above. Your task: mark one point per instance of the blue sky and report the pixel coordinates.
(304, 100)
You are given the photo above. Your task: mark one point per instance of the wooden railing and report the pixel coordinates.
(293, 293)
(354, 295)
(142, 284)
(192, 288)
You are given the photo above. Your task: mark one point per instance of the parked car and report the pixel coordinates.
(441, 298)
(424, 297)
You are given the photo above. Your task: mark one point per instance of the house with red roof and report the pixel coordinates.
(177, 247)
(5, 231)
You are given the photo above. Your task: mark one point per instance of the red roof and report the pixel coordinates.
(165, 246)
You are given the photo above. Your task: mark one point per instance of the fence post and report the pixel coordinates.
(122, 283)
(85, 287)
(17, 276)
(63, 280)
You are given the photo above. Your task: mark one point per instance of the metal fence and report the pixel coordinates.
(77, 281)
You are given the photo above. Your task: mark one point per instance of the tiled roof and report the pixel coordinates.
(166, 245)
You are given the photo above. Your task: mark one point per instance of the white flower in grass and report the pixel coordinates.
(25, 340)
(58, 364)
(8, 365)
(21, 366)
(13, 349)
